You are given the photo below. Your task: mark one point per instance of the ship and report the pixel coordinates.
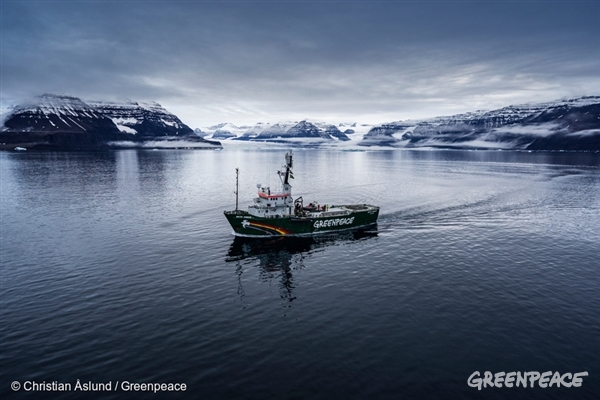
(277, 213)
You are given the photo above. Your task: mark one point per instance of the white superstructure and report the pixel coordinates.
(279, 203)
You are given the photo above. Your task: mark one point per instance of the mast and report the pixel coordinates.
(289, 163)
(237, 186)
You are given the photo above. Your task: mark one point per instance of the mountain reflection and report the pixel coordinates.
(279, 256)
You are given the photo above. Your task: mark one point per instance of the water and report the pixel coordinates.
(120, 266)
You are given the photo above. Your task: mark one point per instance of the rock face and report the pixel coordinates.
(144, 119)
(385, 134)
(58, 122)
(65, 122)
(334, 132)
(572, 124)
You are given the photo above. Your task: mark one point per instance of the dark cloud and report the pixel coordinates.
(358, 60)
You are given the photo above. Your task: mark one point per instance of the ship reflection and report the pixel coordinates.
(280, 256)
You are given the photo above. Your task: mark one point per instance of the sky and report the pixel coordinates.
(335, 61)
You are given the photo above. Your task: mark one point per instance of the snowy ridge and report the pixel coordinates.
(66, 122)
(544, 126)
(56, 113)
(142, 118)
(62, 105)
(281, 131)
(67, 109)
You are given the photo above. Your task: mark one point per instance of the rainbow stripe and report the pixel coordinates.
(277, 229)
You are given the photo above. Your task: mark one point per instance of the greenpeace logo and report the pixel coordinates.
(517, 379)
(333, 222)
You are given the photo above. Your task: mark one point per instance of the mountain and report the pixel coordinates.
(333, 131)
(66, 122)
(570, 124)
(302, 129)
(224, 131)
(302, 132)
(144, 119)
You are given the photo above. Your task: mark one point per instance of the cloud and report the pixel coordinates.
(211, 62)
(541, 130)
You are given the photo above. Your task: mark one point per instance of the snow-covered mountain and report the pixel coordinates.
(287, 131)
(57, 113)
(223, 131)
(146, 119)
(66, 122)
(568, 124)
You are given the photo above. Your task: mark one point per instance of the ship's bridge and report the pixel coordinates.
(272, 204)
(277, 203)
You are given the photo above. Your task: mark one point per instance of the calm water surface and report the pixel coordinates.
(121, 266)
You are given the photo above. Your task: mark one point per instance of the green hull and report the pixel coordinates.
(244, 224)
